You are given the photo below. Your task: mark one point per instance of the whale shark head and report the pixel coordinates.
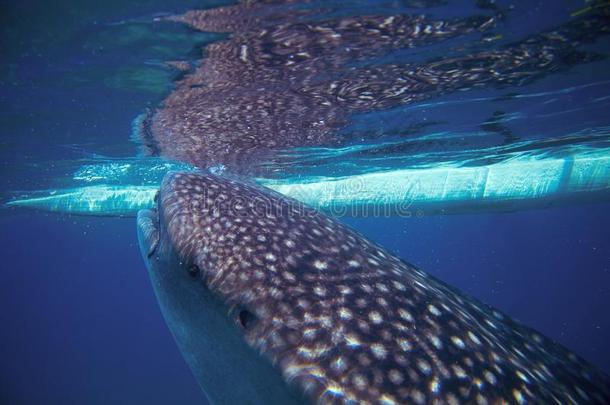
(273, 302)
(209, 330)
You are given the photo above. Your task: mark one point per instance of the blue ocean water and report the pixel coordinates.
(80, 323)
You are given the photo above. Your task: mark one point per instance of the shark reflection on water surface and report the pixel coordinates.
(290, 76)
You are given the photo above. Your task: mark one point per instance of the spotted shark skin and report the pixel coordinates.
(334, 317)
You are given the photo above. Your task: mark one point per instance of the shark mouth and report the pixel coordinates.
(149, 227)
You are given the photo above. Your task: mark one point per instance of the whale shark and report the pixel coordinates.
(272, 301)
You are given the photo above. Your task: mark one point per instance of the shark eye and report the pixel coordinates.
(193, 270)
(246, 319)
